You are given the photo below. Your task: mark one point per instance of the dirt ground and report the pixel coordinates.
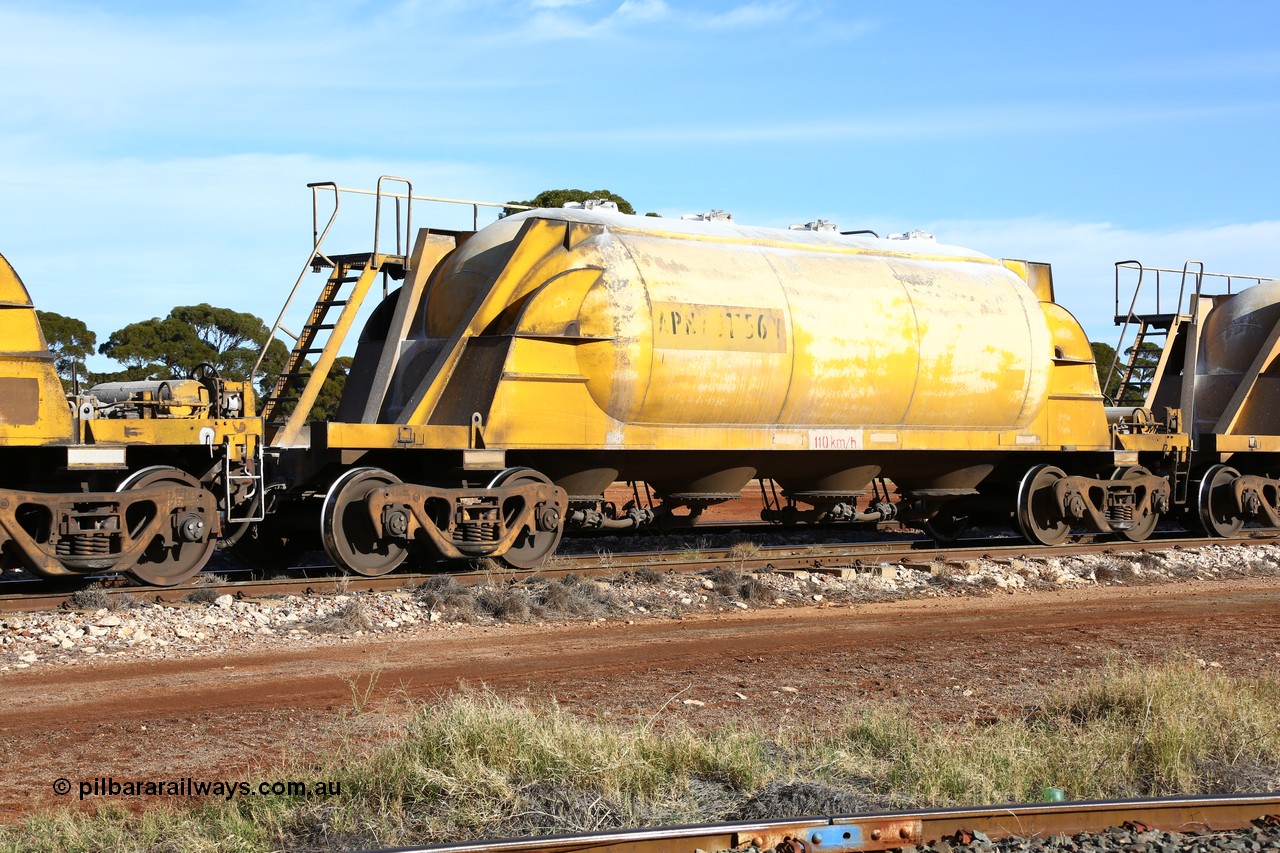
(237, 716)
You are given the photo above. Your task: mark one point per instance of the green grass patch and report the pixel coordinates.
(476, 766)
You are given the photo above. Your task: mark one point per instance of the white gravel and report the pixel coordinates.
(158, 631)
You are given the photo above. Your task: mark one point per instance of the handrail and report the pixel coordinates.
(1128, 320)
(1192, 272)
(317, 238)
(1195, 306)
(377, 215)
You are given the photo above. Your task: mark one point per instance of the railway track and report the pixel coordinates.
(892, 830)
(839, 559)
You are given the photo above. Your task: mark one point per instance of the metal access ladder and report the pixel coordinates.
(1155, 323)
(287, 408)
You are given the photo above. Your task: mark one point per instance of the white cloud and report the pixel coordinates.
(752, 15)
(641, 11)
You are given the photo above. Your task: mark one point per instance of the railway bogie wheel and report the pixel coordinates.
(1038, 516)
(1144, 526)
(161, 564)
(1217, 512)
(532, 546)
(947, 526)
(347, 529)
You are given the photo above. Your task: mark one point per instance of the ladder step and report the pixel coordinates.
(328, 302)
(319, 327)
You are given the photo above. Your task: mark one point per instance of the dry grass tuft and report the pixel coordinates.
(203, 595)
(444, 595)
(737, 585)
(647, 575)
(92, 598)
(351, 617)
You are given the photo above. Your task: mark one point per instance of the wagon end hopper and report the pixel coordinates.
(1218, 378)
(696, 356)
(118, 478)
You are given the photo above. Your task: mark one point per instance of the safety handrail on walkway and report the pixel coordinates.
(318, 258)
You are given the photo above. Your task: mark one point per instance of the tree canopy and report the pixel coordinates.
(70, 341)
(1144, 367)
(1104, 355)
(192, 334)
(557, 198)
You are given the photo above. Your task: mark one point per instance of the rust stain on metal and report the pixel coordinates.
(19, 401)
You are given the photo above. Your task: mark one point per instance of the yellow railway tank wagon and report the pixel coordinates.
(523, 368)
(134, 477)
(520, 369)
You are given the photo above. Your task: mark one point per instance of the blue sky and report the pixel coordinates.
(156, 153)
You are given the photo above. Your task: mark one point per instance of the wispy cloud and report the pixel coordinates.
(923, 122)
(748, 15)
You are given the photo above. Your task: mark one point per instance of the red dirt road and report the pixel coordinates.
(222, 717)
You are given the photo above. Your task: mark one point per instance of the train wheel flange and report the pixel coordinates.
(1142, 527)
(533, 545)
(347, 530)
(190, 547)
(1039, 518)
(1216, 507)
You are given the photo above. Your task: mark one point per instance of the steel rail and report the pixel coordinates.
(839, 559)
(889, 830)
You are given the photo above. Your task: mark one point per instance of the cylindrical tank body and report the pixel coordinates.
(1234, 332)
(713, 323)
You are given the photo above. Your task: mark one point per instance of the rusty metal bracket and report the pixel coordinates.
(450, 530)
(1258, 497)
(1088, 499)
(839, 837)
(87, 531)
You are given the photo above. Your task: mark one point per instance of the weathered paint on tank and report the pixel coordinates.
(709, 332)
(711, 335)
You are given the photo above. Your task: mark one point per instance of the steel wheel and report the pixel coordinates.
(1038, 517)
(1142, 527)
(161, 564)
(347, 529)
(1217, 513)
(532, 547)
(946, 526)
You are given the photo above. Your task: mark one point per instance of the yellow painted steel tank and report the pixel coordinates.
(703, 323)
(33, 409)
